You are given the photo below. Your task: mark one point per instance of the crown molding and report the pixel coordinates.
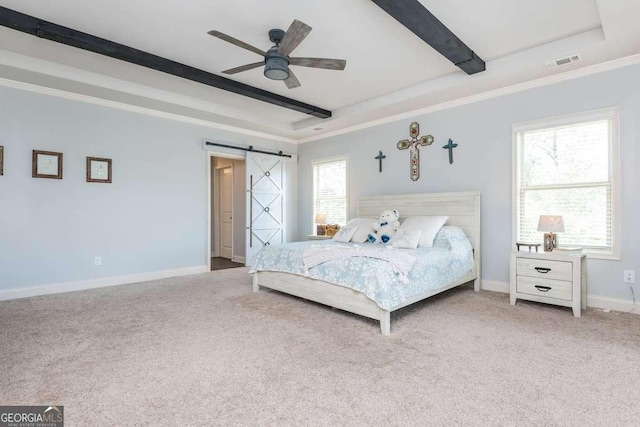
(507, 90)
(520, 87)
(137, 109)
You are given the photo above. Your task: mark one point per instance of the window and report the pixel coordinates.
(330, 189)
(569, 166)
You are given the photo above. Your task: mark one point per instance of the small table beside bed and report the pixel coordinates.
(372, 279)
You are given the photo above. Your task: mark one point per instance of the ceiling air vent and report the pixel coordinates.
(564, 61)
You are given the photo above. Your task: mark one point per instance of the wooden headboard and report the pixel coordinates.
(462, 208)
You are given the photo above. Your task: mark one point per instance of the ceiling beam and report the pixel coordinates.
(413, 15)
(70, 37)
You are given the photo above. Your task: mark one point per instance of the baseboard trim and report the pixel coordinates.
(57, 288)
(490, 285)
(593, 301)
(608, 303)
(239, 259)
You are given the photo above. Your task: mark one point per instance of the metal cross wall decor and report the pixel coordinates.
(414, 144)
(450, 146)
(380, 157)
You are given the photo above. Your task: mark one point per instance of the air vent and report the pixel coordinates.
(564, 61)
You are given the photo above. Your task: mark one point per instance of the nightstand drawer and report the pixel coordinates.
(558, 289)
(544, 269)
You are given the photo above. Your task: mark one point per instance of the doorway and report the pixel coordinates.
(226, 211)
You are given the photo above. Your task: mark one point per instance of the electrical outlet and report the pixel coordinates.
(97, 260)
(629, 276)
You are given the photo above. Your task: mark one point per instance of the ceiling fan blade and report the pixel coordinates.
(328, 64)
(292, 82)
(243, 68)
(236, 42)
(297, 32)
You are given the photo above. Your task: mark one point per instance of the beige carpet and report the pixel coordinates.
(204, 350)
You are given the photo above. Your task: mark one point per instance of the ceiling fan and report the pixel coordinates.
(277, 60)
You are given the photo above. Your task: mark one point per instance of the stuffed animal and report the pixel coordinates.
(386, 227)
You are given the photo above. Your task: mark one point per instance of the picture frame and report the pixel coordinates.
(99, 170)
(46, 164)
(1, 160)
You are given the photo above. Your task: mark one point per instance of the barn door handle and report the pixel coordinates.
(542, 270)
(250, 211)
(543, 288)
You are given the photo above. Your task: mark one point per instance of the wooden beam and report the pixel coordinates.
(70, 37)
(413, 15)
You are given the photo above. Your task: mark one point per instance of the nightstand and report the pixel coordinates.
(314, 237)
(550, 277)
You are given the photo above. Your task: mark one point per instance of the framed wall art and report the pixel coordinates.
(1, 160)
(98, 170)
(46, 164)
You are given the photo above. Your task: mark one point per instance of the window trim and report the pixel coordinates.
(610, 113)
(319, 161)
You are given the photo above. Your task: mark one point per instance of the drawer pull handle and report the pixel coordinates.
(542, 270)
(543, 288)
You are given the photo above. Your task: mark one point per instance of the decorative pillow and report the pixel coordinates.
(406, 239)
(345, 234)
(364, 226)
(429, 225)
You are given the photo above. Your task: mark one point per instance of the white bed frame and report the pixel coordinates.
(463, 210)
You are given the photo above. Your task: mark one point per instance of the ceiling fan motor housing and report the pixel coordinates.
(276, 35)
(276, 65)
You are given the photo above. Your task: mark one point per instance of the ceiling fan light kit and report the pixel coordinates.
(276, 66)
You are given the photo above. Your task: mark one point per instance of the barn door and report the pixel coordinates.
(265, 202)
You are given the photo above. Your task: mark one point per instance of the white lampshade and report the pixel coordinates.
(320, 219)
(551, 223)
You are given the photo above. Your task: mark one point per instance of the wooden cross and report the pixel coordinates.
(380, 157)
(450, 146)
(414, 144)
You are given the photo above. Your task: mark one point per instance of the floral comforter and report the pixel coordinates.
(450, 258)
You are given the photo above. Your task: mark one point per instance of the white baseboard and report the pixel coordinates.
(57, 288)
(593, 301)
(490, 285)
(239, 259)
(608, 303)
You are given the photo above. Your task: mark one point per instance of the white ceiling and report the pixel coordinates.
(389, 70)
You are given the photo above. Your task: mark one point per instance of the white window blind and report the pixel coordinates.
(569, 170)
(330, 190)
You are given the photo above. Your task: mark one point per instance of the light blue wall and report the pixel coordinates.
(153, 216)
(483, 162)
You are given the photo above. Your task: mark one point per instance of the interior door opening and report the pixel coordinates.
(227, 212)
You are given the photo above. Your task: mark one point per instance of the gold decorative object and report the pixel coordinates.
(332, 229)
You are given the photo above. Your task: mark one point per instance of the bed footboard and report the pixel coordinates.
(324, 293)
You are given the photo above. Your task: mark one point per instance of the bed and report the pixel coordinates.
(463, 210)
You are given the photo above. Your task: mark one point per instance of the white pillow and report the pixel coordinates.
(429, 225)
(345, 234)
(364, 226)
(406, 239)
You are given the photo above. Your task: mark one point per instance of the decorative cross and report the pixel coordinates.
(414, 144)
(380, 157)
(450, 146)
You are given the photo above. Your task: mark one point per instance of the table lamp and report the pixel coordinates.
(320, 221)
(550, 224)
